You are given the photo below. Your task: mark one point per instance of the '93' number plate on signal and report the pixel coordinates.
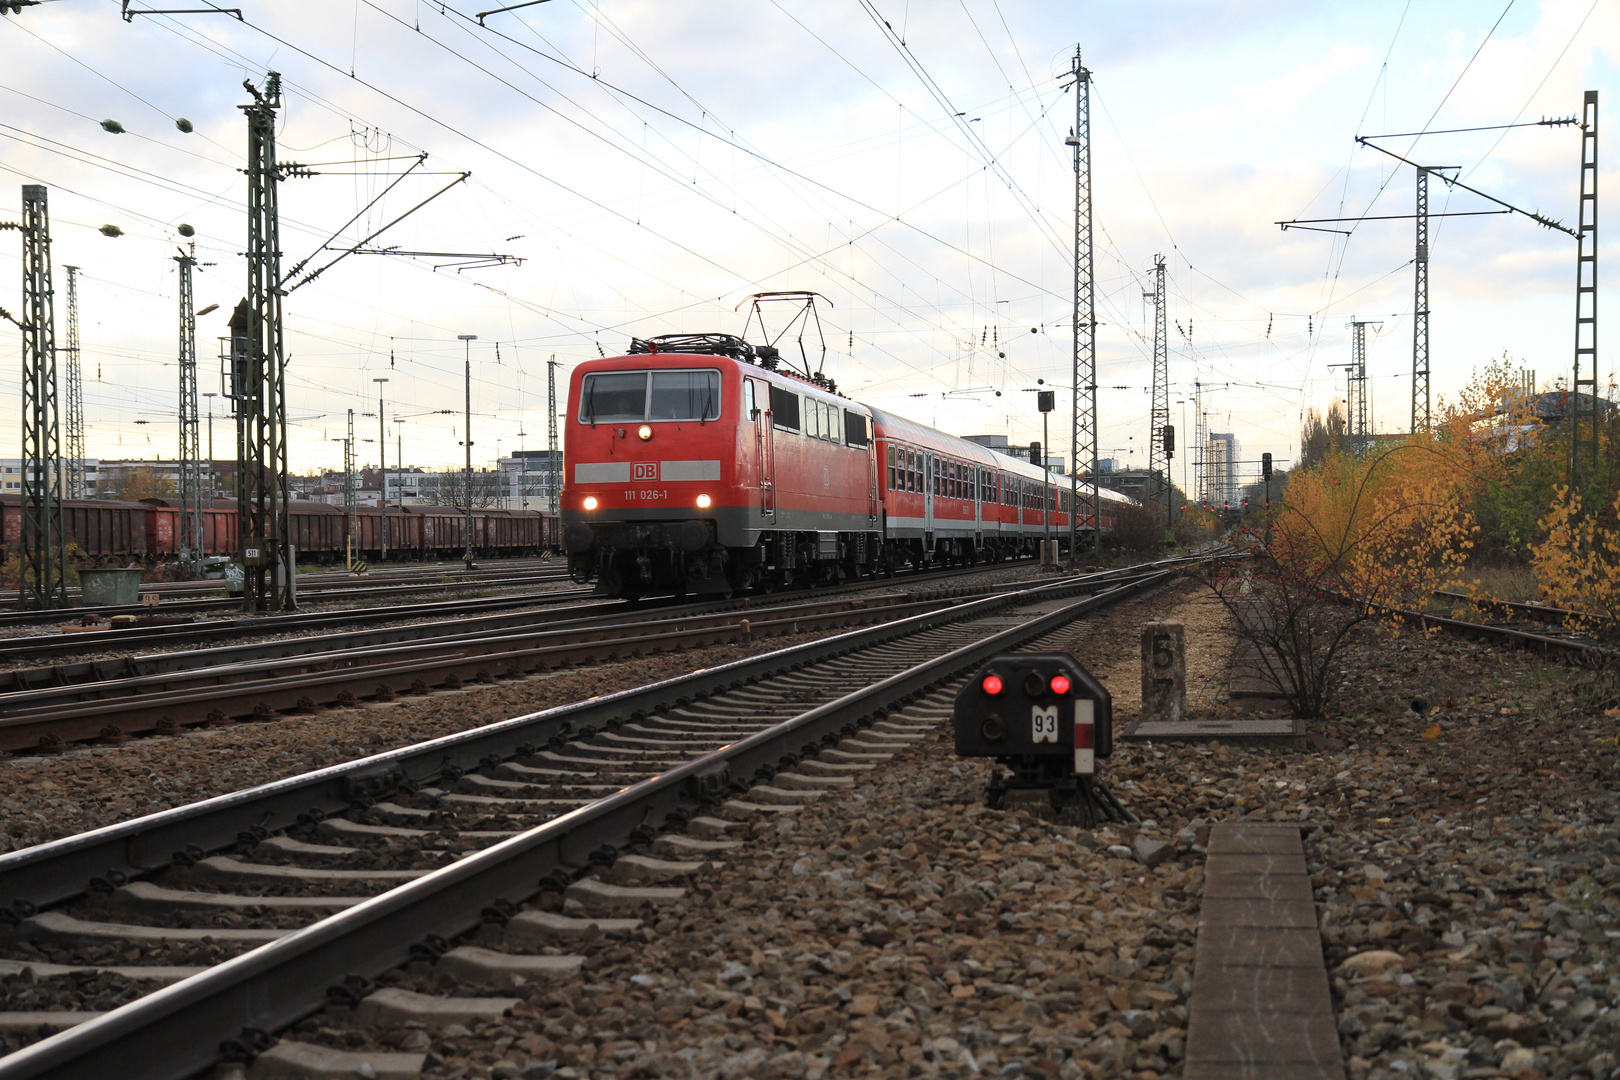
(1044, 723)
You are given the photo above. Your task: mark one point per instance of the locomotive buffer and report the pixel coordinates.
(1048, 721)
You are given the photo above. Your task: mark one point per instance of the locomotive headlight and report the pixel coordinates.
(644, 432)
(703, 502)
(590, 502)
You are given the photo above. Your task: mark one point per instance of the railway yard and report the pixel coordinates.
(800, 877)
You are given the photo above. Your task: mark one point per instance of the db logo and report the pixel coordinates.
(644, 470)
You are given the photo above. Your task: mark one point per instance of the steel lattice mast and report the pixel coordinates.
(1083, 433)
(350, 498)
(1158, 459)
(1586, 295)
(1200, 443)
(262, 411)
(553, 466)
(44, 545)
(191, 535)
(1420, 308)
(75, 392)
(1356, 404)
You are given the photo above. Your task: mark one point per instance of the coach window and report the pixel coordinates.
(891, 467)
(855, 429)
(784, 408)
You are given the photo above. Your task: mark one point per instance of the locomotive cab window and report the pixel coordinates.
(609, 396)
(785, 408)
(684, 395)
(613, 395)
(748, 398)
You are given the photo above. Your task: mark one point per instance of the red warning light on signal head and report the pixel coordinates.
(992, 684)
(1060, 684)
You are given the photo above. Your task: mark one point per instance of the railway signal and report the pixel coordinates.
(1044, 717)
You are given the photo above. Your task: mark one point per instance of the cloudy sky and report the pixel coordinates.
(653, 163)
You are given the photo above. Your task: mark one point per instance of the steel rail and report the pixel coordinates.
(178, 1030)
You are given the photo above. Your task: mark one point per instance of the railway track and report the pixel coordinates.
(338, 578)
(1570, 644)
(339, 669)
(45, 709)
(164, 634)
(260, 908)
(202, 606)
(260, 682)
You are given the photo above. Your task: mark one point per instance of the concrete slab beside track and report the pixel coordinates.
(1261, 1009)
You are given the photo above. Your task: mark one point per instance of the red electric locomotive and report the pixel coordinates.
(693, 464)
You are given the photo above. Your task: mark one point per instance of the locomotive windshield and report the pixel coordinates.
(684, 395)
(650, 395)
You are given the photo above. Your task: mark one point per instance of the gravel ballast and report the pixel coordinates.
(1464, 863)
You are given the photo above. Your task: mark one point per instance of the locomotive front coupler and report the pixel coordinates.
(1047, 720)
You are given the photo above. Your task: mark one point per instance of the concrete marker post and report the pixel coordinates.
(1164, 672)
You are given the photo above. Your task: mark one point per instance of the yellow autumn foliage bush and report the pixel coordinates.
(1578, 561)
(1399, 522)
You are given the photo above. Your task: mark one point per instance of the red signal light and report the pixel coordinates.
(1060, 684)
(992, 684)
